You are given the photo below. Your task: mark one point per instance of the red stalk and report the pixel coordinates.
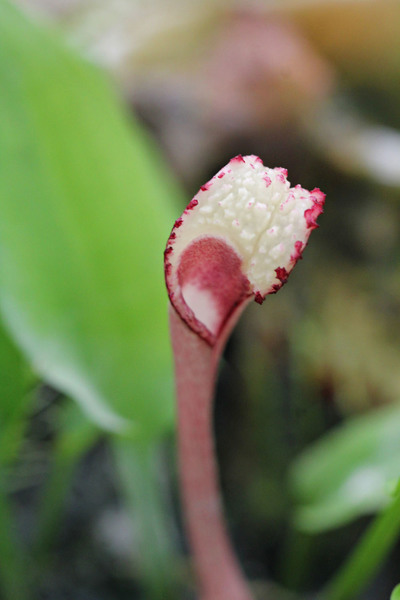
(196, 365)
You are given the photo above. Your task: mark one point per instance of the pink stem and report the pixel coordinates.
(196, 364)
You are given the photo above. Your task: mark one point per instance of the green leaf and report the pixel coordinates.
(14, 403)
(84, 215)
(367, 557)
(14, 567)
(14, 399)
(77, 434)
(348, 472)
(143, 491)
(396, 593)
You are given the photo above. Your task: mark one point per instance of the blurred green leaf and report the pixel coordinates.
(348, 472)
(14, 399)
(141, 473)
(14, 566)
(396, 593)
(12, 380)
(367, 557)
(84, 215)
(77, 434)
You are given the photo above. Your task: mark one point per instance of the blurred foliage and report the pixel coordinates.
(83, 220)
(348, 472)
(75, 436)
(86, 207)
(14, 405)
(368, 555)
(14, 396)
(307, 413)
(396, 593)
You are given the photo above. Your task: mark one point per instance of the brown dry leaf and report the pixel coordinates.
(361, 37)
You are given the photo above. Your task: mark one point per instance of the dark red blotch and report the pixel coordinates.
(211, 264)
(282, 274)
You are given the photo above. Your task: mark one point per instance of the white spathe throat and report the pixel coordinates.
(257, 211)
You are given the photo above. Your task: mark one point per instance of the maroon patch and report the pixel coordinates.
(311, 215)
(192, 204)
(298, 250)
(178, 222)
(282, 274)
(275, 288)
(319, 196)
(239, 159)
(213, 266)
(259, 298)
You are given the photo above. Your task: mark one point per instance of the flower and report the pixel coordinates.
(238, 238)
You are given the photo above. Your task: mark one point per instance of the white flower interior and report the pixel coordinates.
(254, 209)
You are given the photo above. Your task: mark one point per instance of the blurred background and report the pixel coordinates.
(113, 114)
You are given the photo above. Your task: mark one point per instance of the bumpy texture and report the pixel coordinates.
(263, 221)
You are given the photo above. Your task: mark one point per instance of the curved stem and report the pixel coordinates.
(196, 364)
